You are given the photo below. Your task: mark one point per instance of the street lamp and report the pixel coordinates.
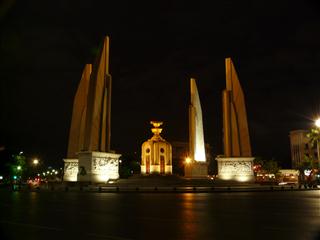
(35, 162)
(188, 160)
(19, 168)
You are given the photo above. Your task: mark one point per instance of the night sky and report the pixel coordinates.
(156, 46)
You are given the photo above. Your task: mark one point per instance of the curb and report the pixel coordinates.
(175, 189)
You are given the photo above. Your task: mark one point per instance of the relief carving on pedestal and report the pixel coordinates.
(103, 164)
(71, 168)
(236, 167)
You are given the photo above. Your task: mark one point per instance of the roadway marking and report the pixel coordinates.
(60, 229)
(31, 225)
(107, 236)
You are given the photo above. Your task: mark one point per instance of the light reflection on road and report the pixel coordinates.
(265, 215)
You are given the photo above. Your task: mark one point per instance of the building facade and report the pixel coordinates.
(301, 148)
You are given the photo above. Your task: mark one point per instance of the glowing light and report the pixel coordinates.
(103, 178)
(200, 155)
(188, 160)
(38, 174)
(317, 123)
(19, 168)
(226, 176)
(35, 161)
(307, 172)
(1, 177)
(243, 178)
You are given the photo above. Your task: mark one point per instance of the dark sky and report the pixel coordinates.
(156, 46)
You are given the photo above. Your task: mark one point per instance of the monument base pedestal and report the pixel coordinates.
(196, 170)
(70, 171)
(92, 167)
(239, 169)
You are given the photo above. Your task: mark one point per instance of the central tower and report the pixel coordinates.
(156, 153)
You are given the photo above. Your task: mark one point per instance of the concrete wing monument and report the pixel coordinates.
(235, 125)
(89, 157)
(98, 125)
(78, 121)
(196, 166)
(237, 161)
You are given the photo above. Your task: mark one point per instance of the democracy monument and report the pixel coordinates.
(90, 158)
(237, 161)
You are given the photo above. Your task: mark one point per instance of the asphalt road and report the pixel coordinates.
(85, 215)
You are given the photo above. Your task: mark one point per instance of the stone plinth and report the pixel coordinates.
(70, 170)
(98, 167)
(238, 169)
(93, 167)
(196, 170)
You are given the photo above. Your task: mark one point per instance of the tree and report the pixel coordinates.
(129, 165)
(307, 162)
(271, 166)
(314, 137)
(18, 167)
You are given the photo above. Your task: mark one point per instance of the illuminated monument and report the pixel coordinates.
(196, 165)
(156, 153)
(89, 157)
(236, 164)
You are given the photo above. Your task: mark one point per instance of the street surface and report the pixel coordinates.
(93, 215)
